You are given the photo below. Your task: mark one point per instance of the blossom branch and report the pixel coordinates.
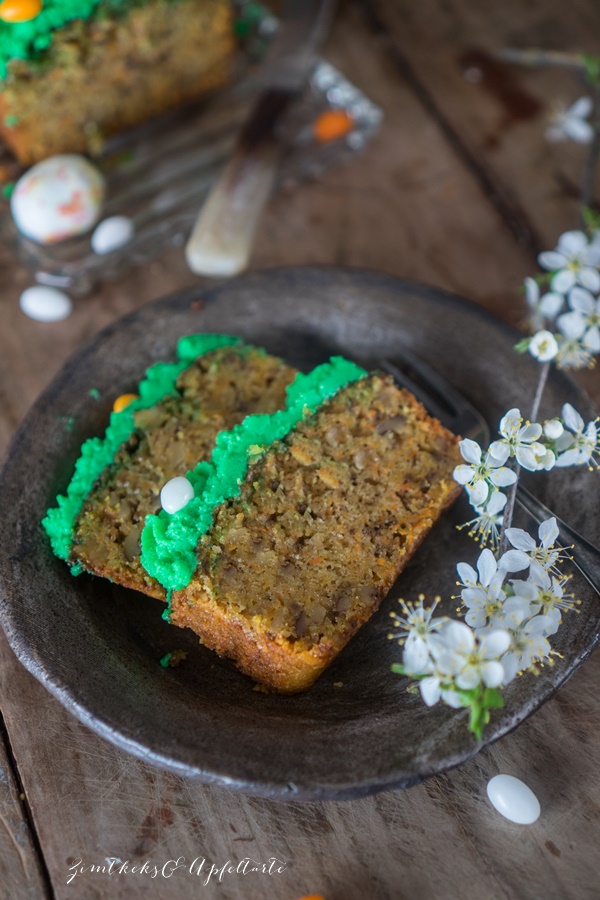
(508, 620)
(512, 493)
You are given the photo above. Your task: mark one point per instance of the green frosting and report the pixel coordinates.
(169, 541)
(29, 40)
(97, 453)
(26, 40)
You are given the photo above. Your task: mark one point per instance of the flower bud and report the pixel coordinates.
(553, 429)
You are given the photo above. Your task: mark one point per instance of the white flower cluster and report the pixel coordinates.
(560, 442)
(574, 284)
(507, 622)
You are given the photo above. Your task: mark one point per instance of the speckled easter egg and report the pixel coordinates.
(58, 199)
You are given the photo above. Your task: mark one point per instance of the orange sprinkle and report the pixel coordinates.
(312, 897)
(20, 10)
(331, 125)
(123, 401)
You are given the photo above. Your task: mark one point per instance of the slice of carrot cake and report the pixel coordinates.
(301, 522)
(215, 383)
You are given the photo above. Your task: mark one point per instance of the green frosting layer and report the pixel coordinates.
(28, 40)
(97, 453)
(169, 541)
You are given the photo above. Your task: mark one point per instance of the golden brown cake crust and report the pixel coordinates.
(324, 524)
(101, 76)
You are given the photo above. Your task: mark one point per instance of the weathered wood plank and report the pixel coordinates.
(497, 113)
(21, 873)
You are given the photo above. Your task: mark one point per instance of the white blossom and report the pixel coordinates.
(528, 633)
(572, 122)
(544, 457)
(528, 645)
(519, 440)
(467, 660)
(543, 346)
(484, 528)
(514, 611)
(579, 445)
(482, 592)
(481, 472)
(416, 627)
(572, 354)
(541, 308)
(528, 554)
(583, 322)
(546, 595)
(573, 262)
(432, 689)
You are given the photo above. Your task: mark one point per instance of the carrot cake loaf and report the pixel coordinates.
(216, 382)
(301, 521)
(75, 71)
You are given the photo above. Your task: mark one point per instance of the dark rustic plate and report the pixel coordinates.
(97, 647)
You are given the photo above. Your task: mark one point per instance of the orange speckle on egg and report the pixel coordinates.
(123, 402)
(20, 10)
(331, 125)
(74, 206)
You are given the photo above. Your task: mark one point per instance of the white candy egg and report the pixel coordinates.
(46, 304)
(176, 494)
(513, 799)
(57, 198)
(112, 233)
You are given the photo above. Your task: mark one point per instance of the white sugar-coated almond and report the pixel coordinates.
(176, 494)
(111, 234)
(513, 799)
(45, 304)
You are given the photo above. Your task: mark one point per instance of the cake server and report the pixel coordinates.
(222, 238)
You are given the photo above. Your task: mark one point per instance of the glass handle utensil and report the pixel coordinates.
(222, 238)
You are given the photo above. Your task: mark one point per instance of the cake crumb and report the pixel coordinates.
(173, 659)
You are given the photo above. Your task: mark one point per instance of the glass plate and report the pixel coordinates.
(160, 173)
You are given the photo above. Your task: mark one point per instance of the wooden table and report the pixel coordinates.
(460, 189)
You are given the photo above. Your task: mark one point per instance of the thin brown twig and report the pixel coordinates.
(589, 173)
